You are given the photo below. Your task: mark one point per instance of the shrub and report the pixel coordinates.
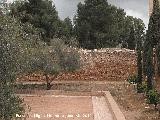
(70, 61)
(68, 58)
(10, 104)
(12, 47)
(132, 79)
(153, 97)
(22, 86)
(73, 42)
(142, 88)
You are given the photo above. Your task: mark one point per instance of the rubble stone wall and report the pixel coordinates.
(109, 64)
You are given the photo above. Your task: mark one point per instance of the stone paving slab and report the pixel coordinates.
(100, 109)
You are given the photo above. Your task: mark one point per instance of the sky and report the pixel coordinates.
(136, 8)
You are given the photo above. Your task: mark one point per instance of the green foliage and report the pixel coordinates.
(150, 69)
(8, 61)
(10, 104)
(132, 79)
(142, 88)
(133, 31)
(10, 47)
(22, 86)
(99, 24)
(152, 39)
(68, 58)
(70, 61)
(53, 59)
(91, 25)
(66, 29)
(42, 62)
(15, 43)
(43, 16)
(139, 40)
(144, 57)
(40, 13)
(153, 97)
(71, 42)
(153, 27)
(131, 40)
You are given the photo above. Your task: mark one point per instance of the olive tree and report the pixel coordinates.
(43, 62)
(52, 60)
(16, 43)
(10, 104)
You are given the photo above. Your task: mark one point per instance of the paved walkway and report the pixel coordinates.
(100, 109)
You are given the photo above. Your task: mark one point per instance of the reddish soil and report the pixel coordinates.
(59, 107)
(110, 64)
(131, 103)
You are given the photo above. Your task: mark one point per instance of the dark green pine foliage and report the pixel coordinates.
(96, 24)
(40, 13)
(99, 24)
(68, 27)
(65, 29)
(131, 40)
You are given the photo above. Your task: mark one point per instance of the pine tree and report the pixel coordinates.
(41, 14)
(131, 40)
(99, 24)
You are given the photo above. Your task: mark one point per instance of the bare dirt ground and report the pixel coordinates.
(59, 108)
(131, 103)
(105, 69)
(66, 107)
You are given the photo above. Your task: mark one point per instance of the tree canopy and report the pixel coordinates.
(99, 24)
(41, 14)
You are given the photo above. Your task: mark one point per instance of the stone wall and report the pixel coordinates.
(108, 64)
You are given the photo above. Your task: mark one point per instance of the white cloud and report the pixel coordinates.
(138, 15)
